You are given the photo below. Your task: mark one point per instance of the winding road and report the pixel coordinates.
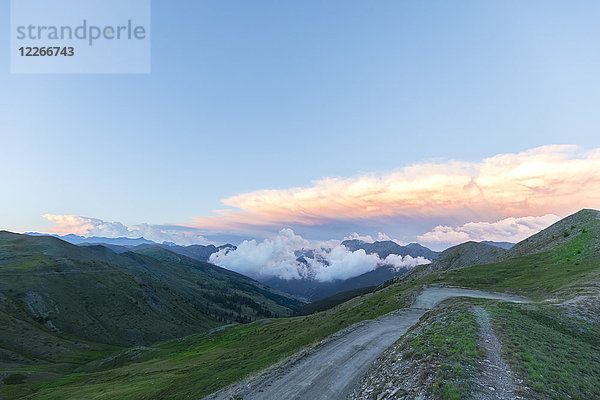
(331, 370)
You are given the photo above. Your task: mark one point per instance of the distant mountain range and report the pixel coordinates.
(385, 248)
(76, 239)
(196, 251)
(123, 244)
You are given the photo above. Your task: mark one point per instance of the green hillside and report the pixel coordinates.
(63, 303)
(457, 257)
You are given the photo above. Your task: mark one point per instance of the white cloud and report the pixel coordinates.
(381, 237)
(506, 230)
(271, 257)
(85, 226)
(277, 257)
(400, 262)
(542, 180)
(344, 264)
(356, 236)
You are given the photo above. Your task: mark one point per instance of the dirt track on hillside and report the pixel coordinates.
(331, 370)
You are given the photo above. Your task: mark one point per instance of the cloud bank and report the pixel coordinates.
(506, 230)
(282, 257)
(84, 226)
(547, 180)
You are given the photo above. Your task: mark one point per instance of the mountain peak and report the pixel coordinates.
(460, 256)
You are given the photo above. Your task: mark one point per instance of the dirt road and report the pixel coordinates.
(331, 370)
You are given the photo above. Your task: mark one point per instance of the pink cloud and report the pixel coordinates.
(550, 179)
(76, 225)
(85, 226)
(506, 230)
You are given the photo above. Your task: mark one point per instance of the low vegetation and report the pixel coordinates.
(558, 357)
(535, 276)
(445, 340)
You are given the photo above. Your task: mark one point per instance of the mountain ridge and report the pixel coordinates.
(457, 257)
(387, 247)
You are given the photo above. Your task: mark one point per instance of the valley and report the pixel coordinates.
(559, 271)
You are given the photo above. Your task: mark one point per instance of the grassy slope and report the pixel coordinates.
(536, 276)
(332, 301)
(563, 362)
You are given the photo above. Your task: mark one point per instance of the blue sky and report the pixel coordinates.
(247, 96)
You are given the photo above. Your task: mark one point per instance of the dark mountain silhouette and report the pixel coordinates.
(385, 248)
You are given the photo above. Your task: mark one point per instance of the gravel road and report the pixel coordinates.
(331, 370)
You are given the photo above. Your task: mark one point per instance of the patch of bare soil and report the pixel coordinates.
(496, 380)
(582, 302)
